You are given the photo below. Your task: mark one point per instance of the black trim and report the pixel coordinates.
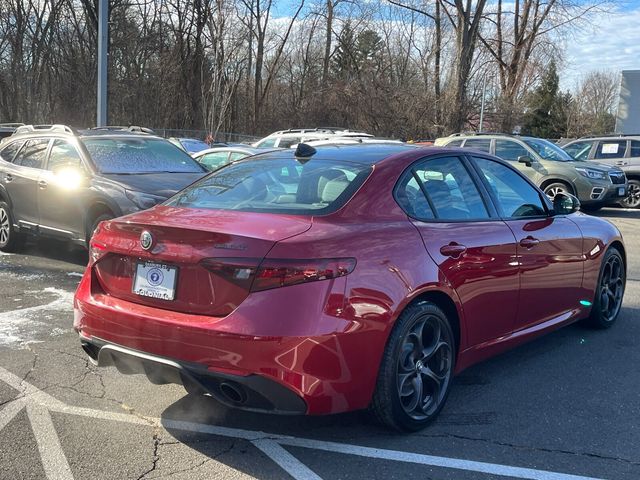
(254, 392)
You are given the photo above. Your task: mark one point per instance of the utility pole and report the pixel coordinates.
(103, 49)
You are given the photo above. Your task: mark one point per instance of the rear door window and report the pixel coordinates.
(610, 149)
(482, 144)
(634, 149)
(33, 154)
(63, 154)
(9, 152)
(510, 150)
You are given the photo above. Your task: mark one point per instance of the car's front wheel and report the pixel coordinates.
(610, 290)
(416, 369)
(553, 189)
(632, 200)
(10, 239)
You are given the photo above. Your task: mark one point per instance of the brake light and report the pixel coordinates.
(274, 273)
(254, 276)
(97, 250)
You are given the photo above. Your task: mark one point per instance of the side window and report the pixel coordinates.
(482, 144)
(237, 156)
(33, 154)
(516, 197)
(450, 190)
(579, 150)
(610, 149)
(287, 142)
(454, 143)
(510, 150)
(9, 152)
(635, 149)
(269, 142)
(411, 199)
(214, 160)
(63, 154)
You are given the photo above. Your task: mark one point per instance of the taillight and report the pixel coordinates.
(275, 273)
(97, 250)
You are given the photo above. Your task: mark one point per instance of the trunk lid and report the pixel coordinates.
(187, 239)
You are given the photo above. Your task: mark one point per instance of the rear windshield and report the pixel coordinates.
(276, 185)
(139, 155)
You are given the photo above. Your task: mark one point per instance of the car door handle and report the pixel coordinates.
(529, 242)
(42, 184)
(8, 177)
(453, 250)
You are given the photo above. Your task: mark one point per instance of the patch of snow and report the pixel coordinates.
(22, 325)
(74, 274)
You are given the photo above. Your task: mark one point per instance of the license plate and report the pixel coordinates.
(155, 280)
(621, 192)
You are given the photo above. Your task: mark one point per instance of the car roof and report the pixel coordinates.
(248, 150)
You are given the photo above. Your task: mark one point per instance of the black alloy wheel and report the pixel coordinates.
(417, 369)
(610, 291)
(632, 200)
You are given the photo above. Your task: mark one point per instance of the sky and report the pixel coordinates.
(612, 43)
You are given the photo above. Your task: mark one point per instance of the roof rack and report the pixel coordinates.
(120, 128)
(470, 134)
(11, 125)
(44, 128)
(612, 135)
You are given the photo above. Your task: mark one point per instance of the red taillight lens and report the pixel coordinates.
(238, 271)
(274, 273)
(97, 250)
(252, 275)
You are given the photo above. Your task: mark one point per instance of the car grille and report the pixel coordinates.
(617, 177)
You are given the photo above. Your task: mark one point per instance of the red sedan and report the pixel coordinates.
(348, 278)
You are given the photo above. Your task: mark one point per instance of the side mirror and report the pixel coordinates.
(526, 160)
(564, 204)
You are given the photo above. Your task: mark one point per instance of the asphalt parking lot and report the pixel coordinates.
(563, 407)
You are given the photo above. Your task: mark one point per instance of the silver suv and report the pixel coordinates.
(619, 151)
(293, 136)
(550, 167)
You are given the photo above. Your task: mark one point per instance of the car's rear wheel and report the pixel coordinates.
(610, 290)
(10, 239)
(553, 189)
(633, 199)
(416, 369)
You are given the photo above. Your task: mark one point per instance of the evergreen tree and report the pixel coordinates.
(546, 114)
(345, 58)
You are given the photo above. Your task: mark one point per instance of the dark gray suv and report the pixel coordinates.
(620, 151)
(57, 182)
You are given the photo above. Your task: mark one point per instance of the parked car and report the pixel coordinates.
(193, 145)
(620, 151)
(214, 158)
(8, 129)
(550, 167)
(334, 141)
(383, 273)
(58, 182)
(293, 136)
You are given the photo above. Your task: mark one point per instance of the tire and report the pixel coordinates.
(94, 224)
(633, 199)
(10, 239)
(399, 401)
(609, 291)
(557, 187)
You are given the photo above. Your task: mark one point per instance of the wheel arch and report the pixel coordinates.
(548, 181)
(97, 208)
(620, 247)
(448, 305)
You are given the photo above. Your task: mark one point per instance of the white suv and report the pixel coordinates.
(288, 138)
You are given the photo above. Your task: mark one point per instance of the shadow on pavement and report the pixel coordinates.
(52, 249)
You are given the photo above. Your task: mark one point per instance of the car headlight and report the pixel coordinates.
(143, 200)
(593, 174)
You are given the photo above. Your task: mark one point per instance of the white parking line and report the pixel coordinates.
(38, 401)
(54, 461)
(285, 460)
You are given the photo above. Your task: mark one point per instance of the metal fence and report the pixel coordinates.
(206, 135)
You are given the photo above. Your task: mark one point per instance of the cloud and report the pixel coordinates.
(611, 43)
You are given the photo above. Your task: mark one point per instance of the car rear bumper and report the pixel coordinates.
(289, 350)
(249, 392)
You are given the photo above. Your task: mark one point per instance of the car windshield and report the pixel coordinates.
(548, 150)
(276, 185)
(139, 155)
(193, 146)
